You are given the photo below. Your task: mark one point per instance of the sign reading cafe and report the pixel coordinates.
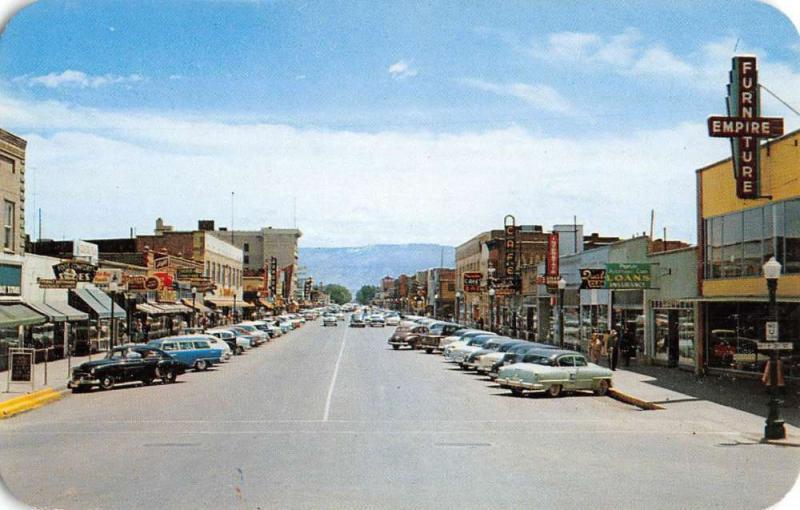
(745, 126)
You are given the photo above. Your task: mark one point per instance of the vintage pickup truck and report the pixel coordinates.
(431, 341)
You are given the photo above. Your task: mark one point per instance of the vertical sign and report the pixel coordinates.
(551, 263)
(510, 266)
(273, 277)
(745, 126)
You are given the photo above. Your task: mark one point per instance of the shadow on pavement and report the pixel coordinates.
(744, 394)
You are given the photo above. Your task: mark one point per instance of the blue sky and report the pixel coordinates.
(386, 122)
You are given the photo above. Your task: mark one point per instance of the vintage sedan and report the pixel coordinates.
(126, 364)
(329, 320)
(407, 334)
(554, 371)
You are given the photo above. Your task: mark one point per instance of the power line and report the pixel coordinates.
(787, 105)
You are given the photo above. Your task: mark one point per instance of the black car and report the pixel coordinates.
(126, 364)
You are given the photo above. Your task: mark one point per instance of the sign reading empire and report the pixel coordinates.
(745, 126)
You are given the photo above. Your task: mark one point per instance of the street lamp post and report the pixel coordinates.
(491, 308)
(562, 285)
(458, 311)
(194, 310)
(435, 303)
(774, 428)
(112, 287)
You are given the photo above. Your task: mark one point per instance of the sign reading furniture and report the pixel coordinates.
(745, 126)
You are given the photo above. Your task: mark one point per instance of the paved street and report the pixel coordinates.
(333, 418)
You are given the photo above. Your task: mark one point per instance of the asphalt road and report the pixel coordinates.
(333, 418)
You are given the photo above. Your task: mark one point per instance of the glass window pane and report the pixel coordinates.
(732, 245)
(752, 232)
(792, 231)
(768, 234)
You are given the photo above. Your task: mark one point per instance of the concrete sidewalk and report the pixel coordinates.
(57, 376)
(670, 387)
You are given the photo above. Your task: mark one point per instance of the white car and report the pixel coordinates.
(329, 320)
(242, 342)
(218, 343)
(392, 320)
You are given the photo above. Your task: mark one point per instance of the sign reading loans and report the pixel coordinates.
(745, 126)
(628, 276)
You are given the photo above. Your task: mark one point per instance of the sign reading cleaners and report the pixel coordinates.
(273, 276)
(745, 126)
(551, 269)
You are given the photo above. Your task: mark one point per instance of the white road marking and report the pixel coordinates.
(376, 432)
(335, 375)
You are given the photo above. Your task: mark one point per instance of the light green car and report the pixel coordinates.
(553, 372)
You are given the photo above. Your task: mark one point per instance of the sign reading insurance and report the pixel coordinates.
(745, 126)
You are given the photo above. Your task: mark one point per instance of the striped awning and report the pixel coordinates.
(149, 309)
(58, 312)
(19, 315)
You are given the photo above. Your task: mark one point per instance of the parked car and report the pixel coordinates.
(357, 321)
(407, 334)
(554, 371)
(461, 340)
(505, 354)
(237, 344)
(259, 336)
(474, 344)
(329, 320)
(242, 339)
(392, 319)
(215, 341)
(126, 364)
(192, 351)
(472, 361)
(432, 340)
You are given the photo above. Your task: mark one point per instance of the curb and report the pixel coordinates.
(634, 401)
(28, 401)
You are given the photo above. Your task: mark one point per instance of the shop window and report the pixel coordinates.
(732, 245)
(716, 247)
(792, 233)
(246, 247)
(247, 259)
(752, 232)
(768, 246)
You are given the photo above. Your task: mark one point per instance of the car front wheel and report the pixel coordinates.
(107, 382)
(201, 364)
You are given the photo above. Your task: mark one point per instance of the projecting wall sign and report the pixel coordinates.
(745, 126)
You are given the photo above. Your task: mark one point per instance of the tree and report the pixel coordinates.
(366, 294)
(339, 294)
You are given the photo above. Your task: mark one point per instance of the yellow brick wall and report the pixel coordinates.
(788, 285)
(780, 177)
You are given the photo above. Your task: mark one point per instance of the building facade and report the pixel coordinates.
(735, 238)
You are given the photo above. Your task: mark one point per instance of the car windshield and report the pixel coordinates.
(536, 359)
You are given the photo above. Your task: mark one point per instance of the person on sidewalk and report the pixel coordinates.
(596, 349)
(613, 349)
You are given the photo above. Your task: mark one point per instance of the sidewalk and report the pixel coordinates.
(673, 386)
(57, 376)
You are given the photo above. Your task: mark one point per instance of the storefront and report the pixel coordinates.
(16, 321)
(736, 237)
(95, 335)
(56, 336)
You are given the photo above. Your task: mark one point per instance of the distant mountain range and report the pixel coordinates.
(366, 265)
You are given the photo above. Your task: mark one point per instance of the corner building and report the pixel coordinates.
(736, 237)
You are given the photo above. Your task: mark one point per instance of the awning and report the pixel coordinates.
(149, 309)
(99, 302)
(19, 315)
(58, 312)
(174, 308)
(227, 302)
(200, 307)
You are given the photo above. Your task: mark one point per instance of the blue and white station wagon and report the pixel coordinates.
(191, 350)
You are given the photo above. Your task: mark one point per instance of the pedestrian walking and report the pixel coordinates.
(596, 349)
(613, 349)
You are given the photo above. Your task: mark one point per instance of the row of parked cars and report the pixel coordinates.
(517, 365)
(166, 358)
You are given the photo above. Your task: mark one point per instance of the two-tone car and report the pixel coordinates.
(192, 350)
(490, 363)
(125, 364)
(554, 371)
(407, 334)
(474, 344)
(472, 361)
(437, 331)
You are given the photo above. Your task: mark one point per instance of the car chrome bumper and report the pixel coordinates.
(83, 381)
(513, 383)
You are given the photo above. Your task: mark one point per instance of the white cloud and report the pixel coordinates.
(352, 187)
(540, 96)
(78, 79)
(402, 69)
